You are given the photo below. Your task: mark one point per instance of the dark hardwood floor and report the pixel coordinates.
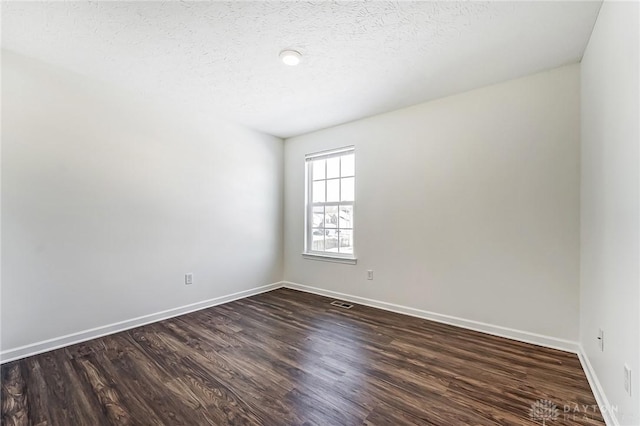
(290, 358)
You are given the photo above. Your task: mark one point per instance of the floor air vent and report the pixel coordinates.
(340, 304)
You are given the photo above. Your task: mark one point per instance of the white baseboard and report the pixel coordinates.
(509, 333)
(82, 336)
(601, 398)
(496, 330)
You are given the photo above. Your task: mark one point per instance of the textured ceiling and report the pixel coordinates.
(360, 58)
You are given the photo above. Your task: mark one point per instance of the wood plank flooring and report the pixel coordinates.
(290, 358)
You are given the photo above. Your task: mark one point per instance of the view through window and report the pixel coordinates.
(330, 203)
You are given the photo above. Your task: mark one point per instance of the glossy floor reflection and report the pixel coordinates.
(290, 358)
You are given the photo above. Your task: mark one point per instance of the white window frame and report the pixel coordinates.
(308, 253)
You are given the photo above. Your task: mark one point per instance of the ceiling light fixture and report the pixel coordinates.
(290, 57)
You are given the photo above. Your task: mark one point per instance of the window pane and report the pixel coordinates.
(346, 217)
(347, 165)
(347, 189)
(318, 191)
(331, 240)
(318, 217)
(333, 190)
(317, 240)
(331, 199)
(346, 241)
(331, 217)
(333, 167)
(318, 169)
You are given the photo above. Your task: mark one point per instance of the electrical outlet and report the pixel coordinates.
(627, 379)
(188, 279)
(370, 274)
(601, 339)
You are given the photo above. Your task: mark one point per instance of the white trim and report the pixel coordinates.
(329, 153)
(496, 330)
(523, 336)
(93, 333)
(509, 333)
(328, 258)
(309, 204)
(601, 398)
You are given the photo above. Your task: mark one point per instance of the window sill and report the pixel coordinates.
(328, 258)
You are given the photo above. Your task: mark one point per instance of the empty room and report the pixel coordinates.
(320, 213)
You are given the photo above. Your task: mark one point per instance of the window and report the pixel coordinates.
(330, 196)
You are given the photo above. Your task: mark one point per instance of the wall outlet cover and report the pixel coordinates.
(601, 339)
(627, 379)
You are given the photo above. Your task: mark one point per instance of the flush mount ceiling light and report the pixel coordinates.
(290, 57)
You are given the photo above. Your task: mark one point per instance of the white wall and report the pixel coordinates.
(466, 206)
(108, 201)
(610, 213)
